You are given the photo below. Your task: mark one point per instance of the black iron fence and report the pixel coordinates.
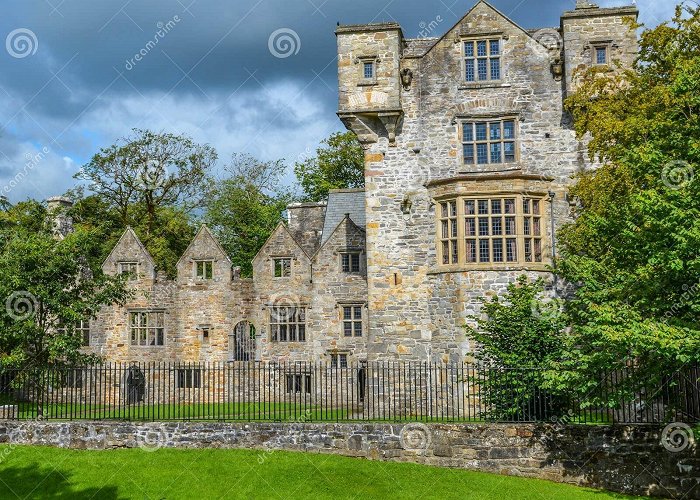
(307, 392)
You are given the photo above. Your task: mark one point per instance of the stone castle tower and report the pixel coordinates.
(468, 154)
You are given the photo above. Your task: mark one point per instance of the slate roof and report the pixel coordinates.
(341, 202)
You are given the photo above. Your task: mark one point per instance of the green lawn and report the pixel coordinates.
(38, 472)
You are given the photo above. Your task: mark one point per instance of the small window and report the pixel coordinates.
(339, 360)
(482, 60)
(350, 262)
(129, 269)
(82, 329)
(205, 334)
(601, 55)
(189, 378)
(352, 321)
(298, 383)
(204, 269)
(283, 267)
(368, 70)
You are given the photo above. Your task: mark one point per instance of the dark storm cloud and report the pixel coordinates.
(211, 73)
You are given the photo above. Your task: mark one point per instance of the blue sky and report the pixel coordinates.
(70, 81)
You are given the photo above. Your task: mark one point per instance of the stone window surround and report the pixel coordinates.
(274, 259)
(205, 329)
(337, 354)
(148, 311)
(347, 251)
(492, 185)
(287, 322)
(361, 60)
(123, 264)
(204, 262)
(474, 37)
(598, 44)
(501, 115)
(354, 304)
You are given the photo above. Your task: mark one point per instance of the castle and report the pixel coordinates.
(468, 152)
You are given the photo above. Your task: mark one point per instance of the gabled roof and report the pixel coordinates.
(435, 41)
(345, 218)
(130, 232)
(342, 202)
(204, 229)
(280, 227)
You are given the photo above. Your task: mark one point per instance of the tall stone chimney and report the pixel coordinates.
(61, 222)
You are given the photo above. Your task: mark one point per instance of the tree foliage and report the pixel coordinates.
(245, 207)
(339, 164)
(153, 171)
(519, 336)
(633, 251)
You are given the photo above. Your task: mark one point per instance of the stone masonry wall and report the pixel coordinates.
(628, 459)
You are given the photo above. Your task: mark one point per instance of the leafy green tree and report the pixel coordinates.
(633, 251)
(153, 171)
(245, 208)
(339, 163)
(520, 337)
(166, 240)
(47, 287)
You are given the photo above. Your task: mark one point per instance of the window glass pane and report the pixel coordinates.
(445, 252)
(469, 207)
(469, 74)
(483, 207)
(536, 227)
(498, 250)
(369, 70)
(528, 250)
(495, 206)
(601, 55)
(455, 258)
(453, 225)
(358, 312)
(469, 49)
(482, 65)
(496, 152)
(495, 46)
(483, 227)
(468, 132)
(509, 129)
(470, 227)
(526, 226)
(469, 154)
(509, 149)
(482, 156)
(480, 131)
(481, 48)
(453, 208)
(496, 226)
(526, 206)
(484, 251)
(443, 206)
(538, 250)
(347, 313)
(495, 130)
(536, 207)
(510, 226)
(511, 251)
(510, 206)
(471, 250)
(495, 69)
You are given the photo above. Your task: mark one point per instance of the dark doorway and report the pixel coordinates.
(242, 343)
(361, 383)
(135, 385)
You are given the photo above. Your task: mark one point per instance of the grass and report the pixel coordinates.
(39, 472)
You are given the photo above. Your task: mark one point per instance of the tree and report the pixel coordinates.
(520, 338)
(47, 288)
(339, 163)
(153, 170)
(166, 240)
(245, 208)
(633, 250)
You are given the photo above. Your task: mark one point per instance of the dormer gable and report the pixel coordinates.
(129, 255)
(204, 260)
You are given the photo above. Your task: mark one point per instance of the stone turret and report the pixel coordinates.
(62, 223)
(597, 37)
(370, 79)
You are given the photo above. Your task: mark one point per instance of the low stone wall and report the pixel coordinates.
(629, 459)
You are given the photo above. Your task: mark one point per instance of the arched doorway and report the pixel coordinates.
(242, 342)
(135, 385)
